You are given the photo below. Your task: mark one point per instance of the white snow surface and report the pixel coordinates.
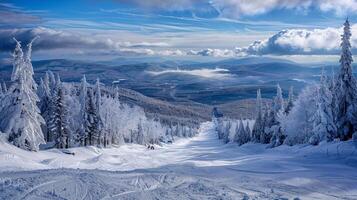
(196, 168)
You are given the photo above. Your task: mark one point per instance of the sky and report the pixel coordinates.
(299, 30)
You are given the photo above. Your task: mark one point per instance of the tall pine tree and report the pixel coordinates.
(58, 124)
(45, 104)
(290, 103)
(91, 123)
(277, 111)
(258, 127)
(83, 98)
(345, 91)
(20, 117)
(99, 123)
(324, 126)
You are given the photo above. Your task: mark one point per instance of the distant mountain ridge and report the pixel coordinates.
(244, 77)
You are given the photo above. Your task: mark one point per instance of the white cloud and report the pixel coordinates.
(217, 73)
(237, 8)
(176, 52)
(145, 44)
(301, 42)
(212, 52)
(57, 39)
(110, 43)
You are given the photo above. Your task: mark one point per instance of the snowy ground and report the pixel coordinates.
(197, 168)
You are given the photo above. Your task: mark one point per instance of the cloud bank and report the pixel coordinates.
(212, 52)
(301, 42)
(286, 42)
(50, 39)
(237, 8)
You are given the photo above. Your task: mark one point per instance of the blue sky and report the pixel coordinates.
(194, 29)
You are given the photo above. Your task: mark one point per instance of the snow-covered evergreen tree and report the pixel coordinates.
(248, 131)
(45, 104)
(59, 125)
(324, 125)
(258, 127)
(220, 128)
(272, 128)
(99, 122)
(278, 104)
(52, 80)
(83, 134)
(290, 103)
(242, 136)
(264, 135)
(91, 123)
(345, 91)
(227, 131)
(113, 115)
(20, 116)
(277, 112)
(298, 125)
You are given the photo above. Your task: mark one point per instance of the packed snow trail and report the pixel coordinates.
(198, 168)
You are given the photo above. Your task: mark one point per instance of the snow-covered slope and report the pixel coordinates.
(198, 168)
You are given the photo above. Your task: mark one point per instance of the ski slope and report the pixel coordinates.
(197, 168)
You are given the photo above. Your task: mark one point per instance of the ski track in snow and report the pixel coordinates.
(198, 168)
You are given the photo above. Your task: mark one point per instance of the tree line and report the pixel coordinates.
(325, 111)
(65, 115)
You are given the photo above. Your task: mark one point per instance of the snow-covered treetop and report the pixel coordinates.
(346, 55)
(278, 101)
(18, 56)
(259, 102)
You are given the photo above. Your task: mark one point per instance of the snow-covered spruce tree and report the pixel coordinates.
(58, 125)
(273, 133)
(110, 112)
(345, 91)
(54, 111)
(248, 131)
(91, 124)
(278, 104)
(298, 125)
(236, 133)
(242, 136)
(324, 126)
(20, 116)
(220, 128)
(227, 131)
(177, 130)
(258, 127)
(45, 104)
(278, 107)
(108, 128)
(290, 103)
(52, 80)
(83, 134)
(99, 122)
(263, 137)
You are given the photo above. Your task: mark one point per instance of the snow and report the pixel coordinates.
(201, 167)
